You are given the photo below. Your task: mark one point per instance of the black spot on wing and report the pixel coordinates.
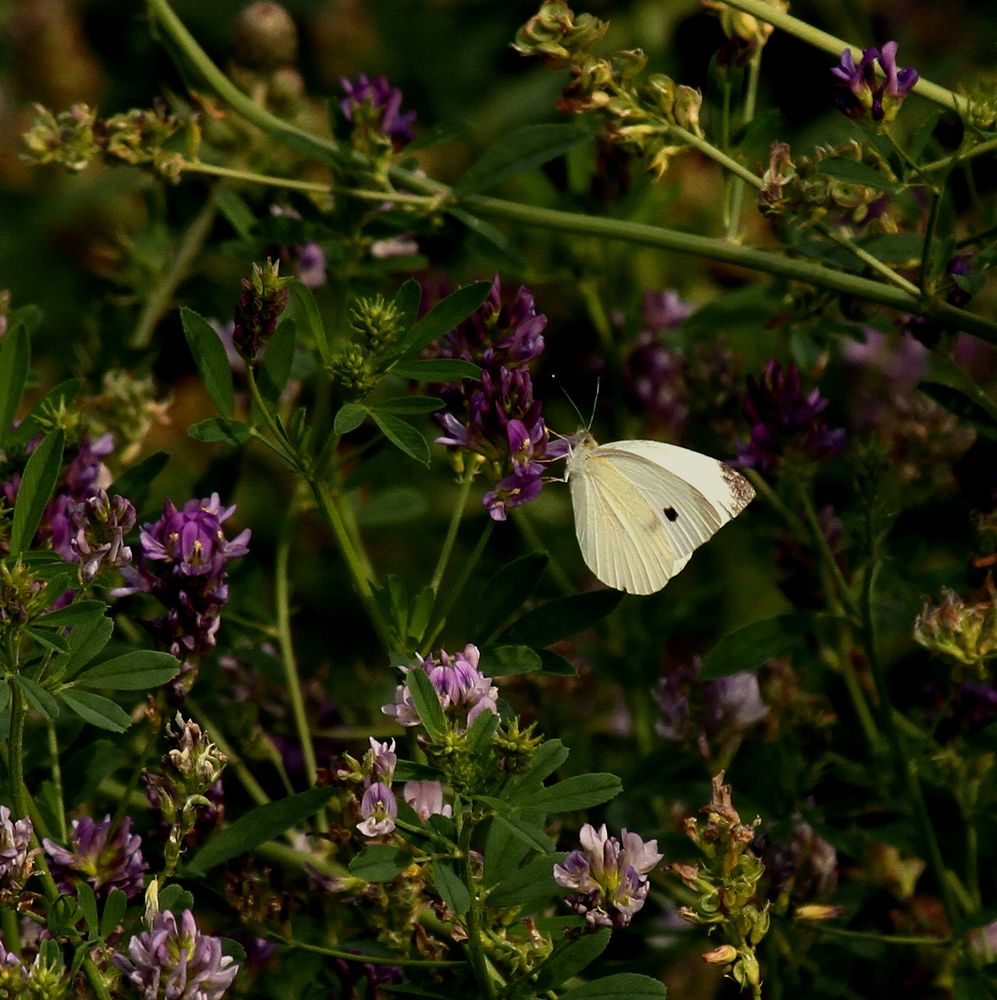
(671, 513)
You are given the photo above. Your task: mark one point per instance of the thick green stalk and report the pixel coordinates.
(747, 114)
(835, 46)
(53, 749)
(486, 984)
(460, 502)
(18, 712)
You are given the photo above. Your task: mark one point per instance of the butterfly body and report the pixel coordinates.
(643, 507)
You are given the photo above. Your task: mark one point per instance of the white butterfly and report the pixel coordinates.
(643, 507)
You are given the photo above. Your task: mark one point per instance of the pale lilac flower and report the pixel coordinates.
(610, 878)
(379, 810)
(106, 859)
(99, 526)
(16, 854)
(168, 962)
(380, 759)
(426, 798)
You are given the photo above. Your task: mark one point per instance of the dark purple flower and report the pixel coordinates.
(375, 104)
(783, 419)
(263, 299)
(170, 962)
(184, 558)
(861, 93)
(106, 859)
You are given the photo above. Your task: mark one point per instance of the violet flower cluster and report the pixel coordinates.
(861, 94)
(498, 418)
(375, 106)
(261, 302)
(783, 419)
(16, 855)
(464, 692)
(99, 527)
(610, 878)
(172, 961)
(105, 855)
(183, 564)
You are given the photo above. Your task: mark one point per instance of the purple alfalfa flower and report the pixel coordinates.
(378, 809)
(380, 760)
(310, 264)
(464, 692)
(263, 298)
(802, 866)
(609, 878)
(426, 798)
(99, 527)
(375, 104)
(861, 93)
(783, 419)
(176, 962)
(105, 855)
(16, 854)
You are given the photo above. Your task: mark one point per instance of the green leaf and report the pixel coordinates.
(752, 645)
(86, 899)
(426, 701)
(494, 244)
(15, 362)
(5, 695)
(49, 639)
(580, 792)
(73, 614)
(37, 483)
(380, 863)
(141, 670)
(233, 432)
(85, 641)
(842, 168)
(349, 417)
(895, 247)
(504, 850)
(134, 483)
(452, 890)
(560, 618)
(394, 505)
(522, 149)
(507, 590)
(571, 959)
(84, 770)
(176, 899)
(554, 663)
(114, 912)
(211, 360)
(257, 826)
(437, 370)
(234, 208)
(275, 369)
(944, 371)
(531, 883)
(409, 404)
(96, 709)
(623, 985)
(502, 661)
(311, 318)
(403, 436)
(407, 301)
(38, 698)
(919, 141)
(444, 316)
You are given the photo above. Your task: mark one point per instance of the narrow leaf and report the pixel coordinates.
(502, 661)
(140, 670)
(73, 614)
(407, 301)
(580, 792)
(437, 370)
(403, 436)
(380, 863)
(311, 318)
(452, 890)
(409, 404)
(59, 396)
(235, 210)
(15, 361)
(37, 483)
(444, 316)
(85, 641)
(256, 827)
(842, 168)
(507, 590)
(531, 883)
(114, 912)
(38, 698)
(622, 986)
(211, 360)
(134, 483)
(560, 618)
(349, 417)
(275, 368)
(96, 709)
(233, 432)
(394, 505)
(753, 645)
(50, 639)
(572, 958)
(522, 149)
(426, 701)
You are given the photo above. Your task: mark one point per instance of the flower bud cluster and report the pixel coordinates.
(376, 323)
(44, 979)
(377, 125)
(647, 118)
(726, 886)
(100, 525)
(746, 34)
(74, 138)
(180, 789)
(264, 297)
(22, 593)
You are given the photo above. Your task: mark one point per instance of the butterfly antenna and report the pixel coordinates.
(581, 418)
(595, 403)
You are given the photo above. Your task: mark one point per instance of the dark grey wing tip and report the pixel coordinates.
(741, 491)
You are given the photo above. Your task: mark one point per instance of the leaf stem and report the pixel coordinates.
(460, 502)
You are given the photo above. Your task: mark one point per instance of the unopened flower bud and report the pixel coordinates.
(966, 633)
(265, 37)
(67, 139)
(662, 89)
(557, 34)
(722, 955)
(688, 101)
(264, 297)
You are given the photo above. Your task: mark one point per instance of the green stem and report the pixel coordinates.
(161, 296)
(282, 598)
(155, 731)
(835, 46)
(11, 928)
(455, 518)
(900, 940)
(352, 956)
(718, 156)
(748, 113)
(486, 984)
(874, 263)
(947, 162)
(929, 235)
(18, 711)
(280, 443)
(60, 808)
